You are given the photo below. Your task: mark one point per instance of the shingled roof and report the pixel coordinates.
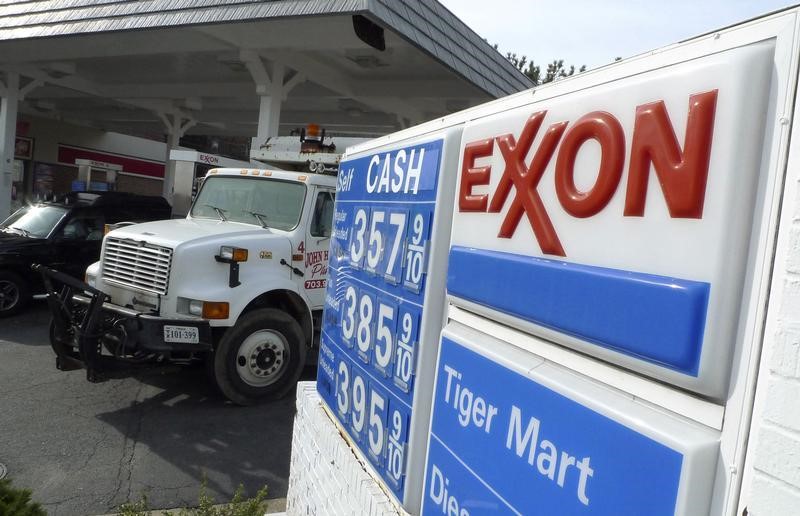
(425, 23)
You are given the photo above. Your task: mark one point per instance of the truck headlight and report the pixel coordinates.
(196, 307)
(91, 274)
(209, 309)
(233, 254)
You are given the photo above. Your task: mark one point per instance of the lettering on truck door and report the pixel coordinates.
(318, 239)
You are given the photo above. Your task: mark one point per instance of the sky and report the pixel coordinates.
(594, 32)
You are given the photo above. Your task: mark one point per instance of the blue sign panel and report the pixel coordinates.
(656, 318)
(501, 442)
(373, 306)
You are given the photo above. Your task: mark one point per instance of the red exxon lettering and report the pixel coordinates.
(525, 180)
(682, 172)
(683, 175)
(607, 131)
(472, 175)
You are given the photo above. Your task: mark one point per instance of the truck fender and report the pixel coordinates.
(289, 299)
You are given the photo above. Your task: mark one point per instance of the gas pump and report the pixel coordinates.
(190, 169)
(105, 176)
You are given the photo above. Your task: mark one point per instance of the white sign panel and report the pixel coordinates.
(616, 220)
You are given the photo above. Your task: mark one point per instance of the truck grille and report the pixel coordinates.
(137, 264)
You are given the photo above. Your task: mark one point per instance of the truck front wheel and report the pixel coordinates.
(260, 358)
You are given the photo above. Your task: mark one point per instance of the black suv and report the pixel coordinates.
(66, 235)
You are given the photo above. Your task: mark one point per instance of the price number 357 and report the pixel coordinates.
(377, 245)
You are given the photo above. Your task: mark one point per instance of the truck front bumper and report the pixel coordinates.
(90, 332)
(146, 331)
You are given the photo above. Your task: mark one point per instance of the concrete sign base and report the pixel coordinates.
(326, 476)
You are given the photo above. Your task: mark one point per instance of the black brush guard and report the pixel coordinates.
(84, 323)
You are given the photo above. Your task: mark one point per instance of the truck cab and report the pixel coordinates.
(240, 283)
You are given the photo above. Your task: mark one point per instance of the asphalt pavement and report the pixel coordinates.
(85, 449)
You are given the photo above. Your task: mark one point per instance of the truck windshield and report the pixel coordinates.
(33, 221)
(263, 202)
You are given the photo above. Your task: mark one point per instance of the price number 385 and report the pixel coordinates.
(372, 322)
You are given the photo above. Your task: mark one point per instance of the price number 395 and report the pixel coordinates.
(364, 409)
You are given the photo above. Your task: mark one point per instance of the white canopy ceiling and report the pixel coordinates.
(121, 65)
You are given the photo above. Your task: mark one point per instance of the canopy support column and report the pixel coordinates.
(8, 127)
(12, 93)
(272, 89)
(176, 124)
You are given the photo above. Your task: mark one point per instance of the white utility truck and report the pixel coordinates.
(240, 283)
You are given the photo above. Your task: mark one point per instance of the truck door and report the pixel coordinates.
(318, 240)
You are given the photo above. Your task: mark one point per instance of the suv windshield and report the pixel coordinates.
(264, 202)
(34, 221)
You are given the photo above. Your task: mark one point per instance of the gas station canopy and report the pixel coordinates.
(247, 68)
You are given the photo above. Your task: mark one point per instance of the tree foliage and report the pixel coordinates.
(17, 501)
(553, 71)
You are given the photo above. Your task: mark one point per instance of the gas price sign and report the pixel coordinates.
(374, 303)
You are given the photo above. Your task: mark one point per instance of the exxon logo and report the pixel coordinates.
(681, 171)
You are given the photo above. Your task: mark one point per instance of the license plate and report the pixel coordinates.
(184, 334)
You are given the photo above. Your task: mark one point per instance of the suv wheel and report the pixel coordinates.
(260, 358)
(14, 293)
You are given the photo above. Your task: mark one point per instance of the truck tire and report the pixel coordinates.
(14, 293)
(260, 358)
